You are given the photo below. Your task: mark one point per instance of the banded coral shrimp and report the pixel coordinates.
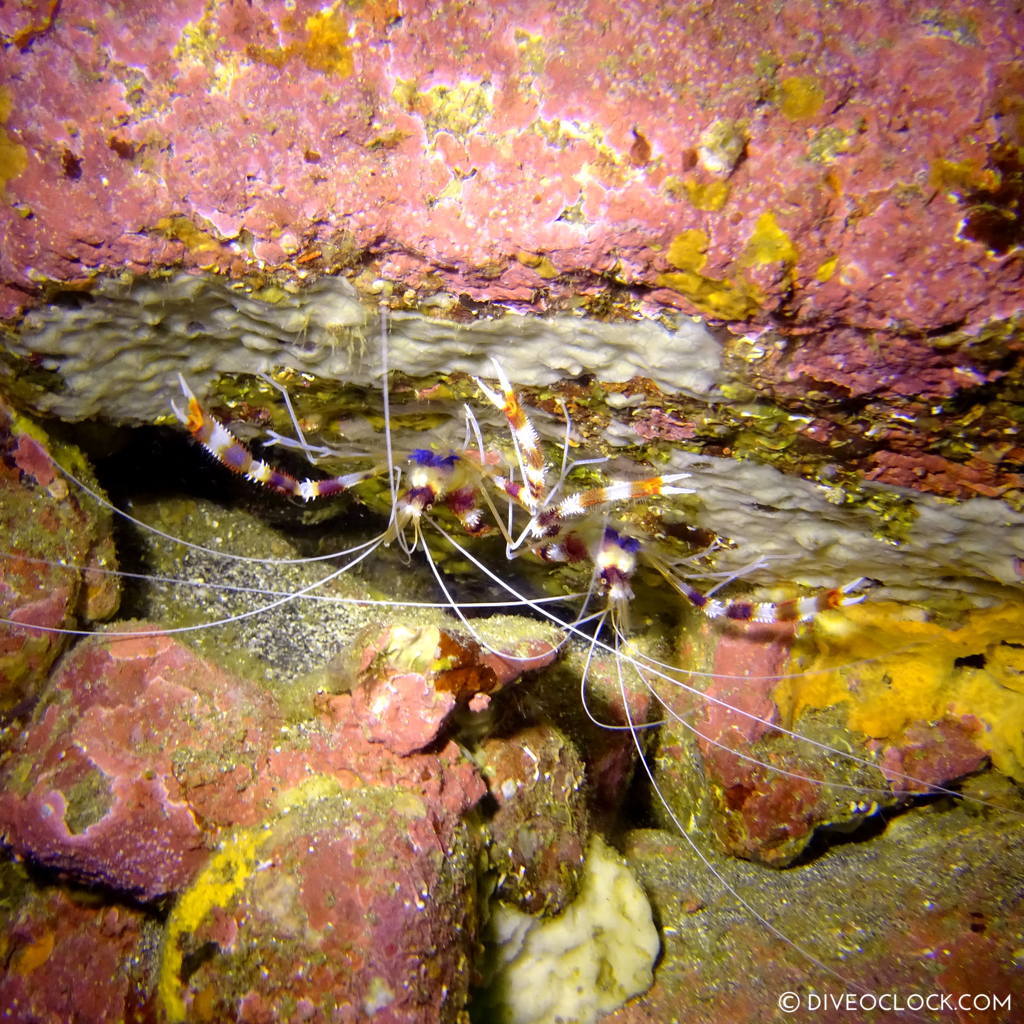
(645, 658)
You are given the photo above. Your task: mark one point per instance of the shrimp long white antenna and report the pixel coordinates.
(191, 545)
(299, 442)
(567, 466)
(733, 892)
(240, 588)
(454, 606)
(547, 511)
(386, 398)
(601, 618)
(286, 598)
(927, 786)
(636, 662)
(473, 432)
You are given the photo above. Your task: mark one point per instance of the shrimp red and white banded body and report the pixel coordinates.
(461, 480)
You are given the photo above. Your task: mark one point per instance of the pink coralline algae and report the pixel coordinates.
(96, 786)
(411, 680)
(140, 754)
(345, 908)
(146, 769)
(65, 958)
(830, 165)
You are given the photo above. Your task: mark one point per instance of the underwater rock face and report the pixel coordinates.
(347, 907)
(840, 185)
(67, 957)
(219, 187)
(538, 831)
(98, 784)
(142, 753)
(839, 164)
(723, 762)
(722, 964)
(411, 680)
(919, 704)
(43, 523)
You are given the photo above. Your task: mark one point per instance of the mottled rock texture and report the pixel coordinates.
(846, 175)
(954, 947)
(66, 956)
(141, 754)
(820, 163)
(51, 539)
(840, 185)
(345, 908)
(917, 704)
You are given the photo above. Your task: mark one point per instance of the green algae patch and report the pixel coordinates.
(899, 668)
(459, 109)
(88, 801)
(896, 514)
(829, 144)
(222, 879)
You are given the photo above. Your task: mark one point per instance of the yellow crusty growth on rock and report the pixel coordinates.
(730, 299)
(688, 249)
(826, 269)
(538, 263)
(224, 875)
(768, 243)
(713, 296)
(13, 156)
(799, 97)
(709, 196)
(915, 670)
(326, 46)
(960, 177)
(181, 229)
